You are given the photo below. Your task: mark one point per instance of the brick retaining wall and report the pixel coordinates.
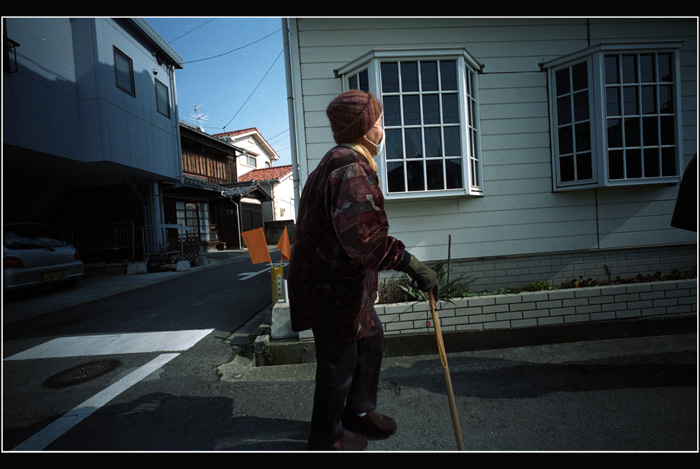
(530, 309)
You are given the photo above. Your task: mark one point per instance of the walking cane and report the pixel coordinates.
(446, 373)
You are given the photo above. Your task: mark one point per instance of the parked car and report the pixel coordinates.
(38, 254)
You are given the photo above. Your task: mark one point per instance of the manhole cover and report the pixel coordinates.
(81, 373)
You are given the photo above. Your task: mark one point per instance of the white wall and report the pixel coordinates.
(519, 213)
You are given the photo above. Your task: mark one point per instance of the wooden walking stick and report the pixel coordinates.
(446, 373)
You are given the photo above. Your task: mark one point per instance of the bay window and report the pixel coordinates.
(430, 120)
(615, 116)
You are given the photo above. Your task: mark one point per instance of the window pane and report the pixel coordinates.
(651, 163)
(630, 97)
(364, 81)
(436, 180)
(616, 165)
(448, 75)
(564, 110)
(390, 77)
(614, 133)
(453, 145)
(414, 146)
(428, 76)
(668, 133)
(633, 165)
(566, 140)
(395, 177)
(584, 166)
(611, 70)
(394, 146)
(665, 68)
(629, 69)
(666, 99)
(668, 162)
(581, 106)
(411, 110)
(415, 175)
(433, 142)
(409, 76)
(450, 109)
(650, 131)
(124, 72)
(566, 168)
(583, 137)
(632, 133)
(612, 98)
(431, 109)
(562, 81)
(453, 170)
(646, 68)
(392, 110)
(649, 99)
(579, 76)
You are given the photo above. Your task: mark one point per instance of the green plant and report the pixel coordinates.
(448, 287)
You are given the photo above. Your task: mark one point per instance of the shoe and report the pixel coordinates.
(372, 423)
(348, 442)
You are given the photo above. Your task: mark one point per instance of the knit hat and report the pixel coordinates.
(352, 114)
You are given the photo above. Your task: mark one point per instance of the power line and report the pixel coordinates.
(231, 51)
(256, 87)
(191, 30)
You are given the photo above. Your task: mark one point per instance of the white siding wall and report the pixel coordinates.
(519, 213)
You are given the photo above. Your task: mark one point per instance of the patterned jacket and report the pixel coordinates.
(341, 242)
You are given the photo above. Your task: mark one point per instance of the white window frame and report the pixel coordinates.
(594, 57)
(469, 127)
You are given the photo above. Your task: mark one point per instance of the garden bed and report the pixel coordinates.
(544, 307)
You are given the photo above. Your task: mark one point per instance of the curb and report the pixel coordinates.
(299, 351)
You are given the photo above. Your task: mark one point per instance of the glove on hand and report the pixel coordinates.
(424, 278)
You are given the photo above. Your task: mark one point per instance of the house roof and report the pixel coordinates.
(266, 174)
(229, 190)
(234, 134)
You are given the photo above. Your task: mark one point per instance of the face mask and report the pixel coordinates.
(378, 146)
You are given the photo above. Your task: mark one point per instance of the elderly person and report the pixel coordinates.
(340, 244)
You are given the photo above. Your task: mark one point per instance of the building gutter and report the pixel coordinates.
(290, 108)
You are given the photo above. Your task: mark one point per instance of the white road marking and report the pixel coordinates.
(249, 275)
(140, 342)
(169, 341)
(58, 427)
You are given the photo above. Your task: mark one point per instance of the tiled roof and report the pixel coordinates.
(266, 174)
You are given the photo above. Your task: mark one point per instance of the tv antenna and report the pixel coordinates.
(199, 117)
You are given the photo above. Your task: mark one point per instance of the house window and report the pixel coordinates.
(162, 99)
(430, 122)
(616, 118)
(124, 69)
(194, 216)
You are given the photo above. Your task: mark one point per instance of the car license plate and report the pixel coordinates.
(53, 276)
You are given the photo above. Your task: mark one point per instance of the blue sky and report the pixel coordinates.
(234, 72)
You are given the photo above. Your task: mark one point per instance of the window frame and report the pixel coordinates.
(468, 109)
(159, 85)
(131, 90)
(595, 57)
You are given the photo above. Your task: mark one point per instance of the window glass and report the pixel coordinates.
(124, 72)
(422, 125)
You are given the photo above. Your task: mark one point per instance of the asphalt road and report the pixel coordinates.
(618, 395)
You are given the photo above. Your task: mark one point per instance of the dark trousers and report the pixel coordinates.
(347, 378)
